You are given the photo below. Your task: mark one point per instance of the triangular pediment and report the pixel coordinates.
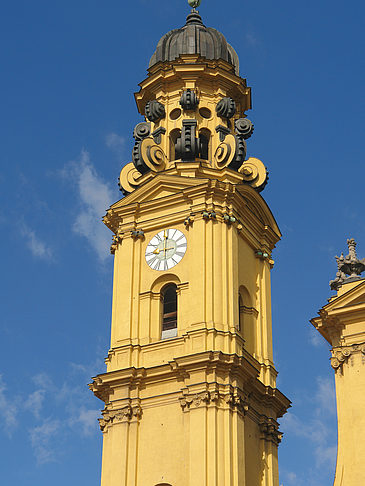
(161, 186)
(353, 297)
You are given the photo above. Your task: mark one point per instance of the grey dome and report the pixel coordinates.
(195, 38)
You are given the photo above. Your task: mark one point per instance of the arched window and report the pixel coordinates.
(240, 313)
(204, 139)
(174, 135)
(247, 320)
(169, 311)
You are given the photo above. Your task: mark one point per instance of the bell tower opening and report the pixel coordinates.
(169, 311)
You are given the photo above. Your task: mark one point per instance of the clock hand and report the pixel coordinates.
(158, 251)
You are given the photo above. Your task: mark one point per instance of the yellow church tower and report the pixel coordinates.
(190, 389)
(342, 323)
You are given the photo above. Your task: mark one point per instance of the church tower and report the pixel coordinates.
(342, 323)
(190, 389)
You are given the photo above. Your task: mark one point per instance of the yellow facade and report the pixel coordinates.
(199, 408)
(342, 323)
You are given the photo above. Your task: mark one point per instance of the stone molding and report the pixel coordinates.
(120, 415)
(341, 354)
(269, 430)
(234, 400)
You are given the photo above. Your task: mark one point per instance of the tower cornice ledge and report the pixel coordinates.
(252, 216)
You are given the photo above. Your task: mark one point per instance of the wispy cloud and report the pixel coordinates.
(316, 429)
(115, 142)
(86, 420)
(251, 39)
(315, 338)
(38, 248)
(8, 410)
(325, 396)
(95, 196)
(68, 413)
(34, 402)
(55, 411)
(41, 437)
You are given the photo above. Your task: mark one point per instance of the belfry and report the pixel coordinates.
(190, 389)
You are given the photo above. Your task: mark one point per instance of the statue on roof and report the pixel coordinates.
(349, 268)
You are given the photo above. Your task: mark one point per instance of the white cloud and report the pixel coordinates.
(315, 338)
(41, 439)
(251, 39)
(316, 428)
(8, 410)
(34, 402)
(115, 142)
(325, 395)
(87, 420)
(95, 196)
(38, 248)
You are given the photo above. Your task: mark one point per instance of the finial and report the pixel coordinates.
(194, 3)
(349, 268)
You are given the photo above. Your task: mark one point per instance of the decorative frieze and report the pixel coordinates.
(117, 240)
(234, 400)
(237, 402)
(341, 354)
(198, 399)
(124, 414)
(269, 430)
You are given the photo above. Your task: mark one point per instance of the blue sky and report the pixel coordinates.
(69, 73)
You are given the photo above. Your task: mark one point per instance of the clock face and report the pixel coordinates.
(166, 249)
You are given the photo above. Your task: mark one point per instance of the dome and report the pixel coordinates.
(195, 38)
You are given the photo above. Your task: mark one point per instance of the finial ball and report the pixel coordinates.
(194, 3)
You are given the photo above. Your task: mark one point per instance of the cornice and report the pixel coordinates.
(240, 369)
(189, 201)
(192, 68)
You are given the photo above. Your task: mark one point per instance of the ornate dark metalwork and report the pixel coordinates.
(154, 110)
(244, 128)
(194, 3)
(223, 132)
(140, 132)
(187, 145)
(189, 100)
(226, 108)
(157, 134)
(349, 268)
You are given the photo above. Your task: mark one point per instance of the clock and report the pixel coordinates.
(166, 249)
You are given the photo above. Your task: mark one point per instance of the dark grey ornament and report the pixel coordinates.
(226, 108)
(154, 110)
(194, 3)
(244, 128)
(349, 268)
(157, 134)
(189, 100)
(223, 132)
(187, 145)
(141, 131)
(240, 155)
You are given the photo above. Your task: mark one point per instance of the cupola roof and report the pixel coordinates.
(195, 38)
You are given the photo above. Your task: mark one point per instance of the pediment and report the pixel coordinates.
(162, 185)
(353, 297)
(258, 206)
